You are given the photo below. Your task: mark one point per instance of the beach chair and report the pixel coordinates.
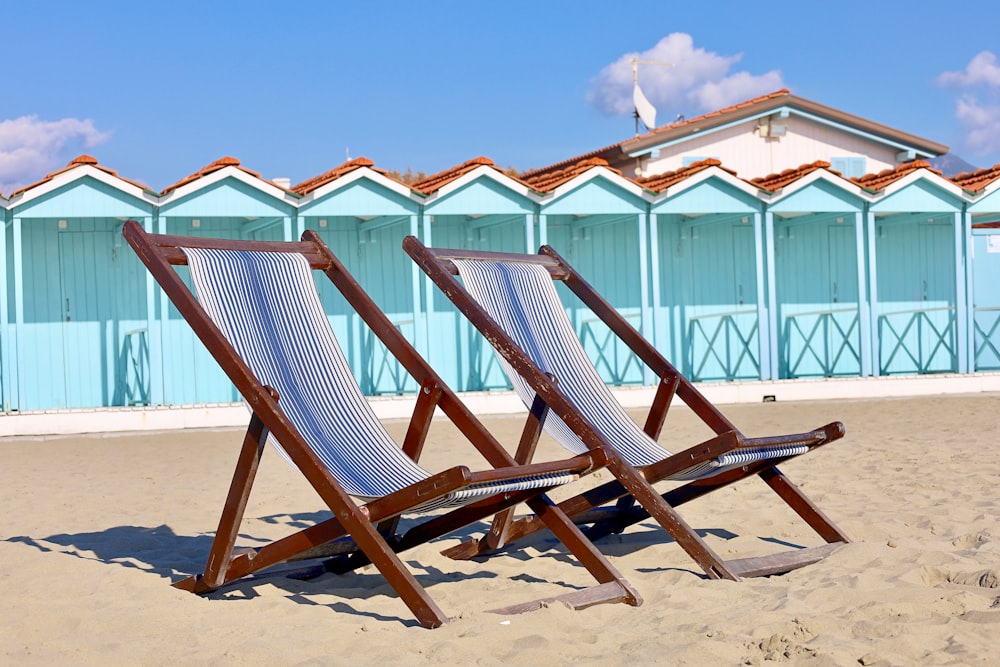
(511, 299)
(258, 312)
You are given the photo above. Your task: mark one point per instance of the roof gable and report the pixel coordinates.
(79, 167)
(978, 180)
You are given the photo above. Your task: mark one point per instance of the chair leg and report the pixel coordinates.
(221, 554)
(804, 507)
(665, 515)
(589, 556)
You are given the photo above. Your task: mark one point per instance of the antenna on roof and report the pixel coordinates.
(644, 110)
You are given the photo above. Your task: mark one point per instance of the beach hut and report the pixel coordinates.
(475, 206)
(708, 272)
(363, 213)
(982, 225)
(223, 200)
(76, 304)
(917, 271)
(817, 301)
(598, 220)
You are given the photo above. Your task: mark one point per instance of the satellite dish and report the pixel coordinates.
(644, 110)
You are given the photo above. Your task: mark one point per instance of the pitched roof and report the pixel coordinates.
(774, 182)
(660, 182)
(550, 180)
(747, 109)
(764, 104)
(435, 182)
(977, 180)
(754, 104)
(212, 167)
(79, 161)
(602, 153)
(316, 182)
(887, 177)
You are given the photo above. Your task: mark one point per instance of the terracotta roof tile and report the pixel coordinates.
(977, 180)
(79, 161)
(613, 149)
(221, 163)
(718, 112)
(774, 182)
(316, 182)
(889, 176)
(435, 182)
(660, 182)
(545, 181)
(599, 153)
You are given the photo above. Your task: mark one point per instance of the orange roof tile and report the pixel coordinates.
(316, 182)
(221, 163)
(774, 182)
(660, 182)
(435, 182)
(545, 181)
(718, 112)
(557, 166)
(978, 179)
(79, 161)
(889, 176)
(610, 151)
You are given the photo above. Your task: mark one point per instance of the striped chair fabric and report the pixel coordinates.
(522, 298)
(267, 307)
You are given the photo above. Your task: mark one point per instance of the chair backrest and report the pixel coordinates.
(522, 299)
(267, 306)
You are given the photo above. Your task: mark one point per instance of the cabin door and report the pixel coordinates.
(87, 305)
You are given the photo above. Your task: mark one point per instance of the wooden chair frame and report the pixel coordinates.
(632, 485)
(365, 531)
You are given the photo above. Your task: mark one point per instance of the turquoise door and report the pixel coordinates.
(916, 290)
(817, 285)
(721, 329)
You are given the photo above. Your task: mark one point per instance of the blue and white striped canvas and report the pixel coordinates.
(522, 299)
(267, 307)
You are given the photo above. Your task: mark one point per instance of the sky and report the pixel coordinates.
(156, 91)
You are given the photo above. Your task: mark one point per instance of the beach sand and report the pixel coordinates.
(94, 529)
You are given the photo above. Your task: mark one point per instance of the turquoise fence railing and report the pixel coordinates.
(821, 343)
(986, 322)
(615, 362)
(919, 340)
(381, 373)
(720, 346)
(133, 384)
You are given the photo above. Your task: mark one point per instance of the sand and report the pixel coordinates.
(94, 529)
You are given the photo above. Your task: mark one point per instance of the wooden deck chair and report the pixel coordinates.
(511, 299)
(258, 312)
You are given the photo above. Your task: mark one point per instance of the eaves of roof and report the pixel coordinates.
(80, 161)
(771, 102)
(978, 180)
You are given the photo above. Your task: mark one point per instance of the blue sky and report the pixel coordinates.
(158, 90)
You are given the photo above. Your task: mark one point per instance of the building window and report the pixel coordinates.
(849, 167)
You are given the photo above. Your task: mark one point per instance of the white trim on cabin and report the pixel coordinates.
(707, 174)
(76, 173)
(919, 175)
(591, 174)
(809, 179)
(229, 171)
(480, 171)
(352, 176)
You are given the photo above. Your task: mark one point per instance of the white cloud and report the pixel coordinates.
(699, 80)
(981, 70)
(30, 148)
(981, 123)
(978, 106)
